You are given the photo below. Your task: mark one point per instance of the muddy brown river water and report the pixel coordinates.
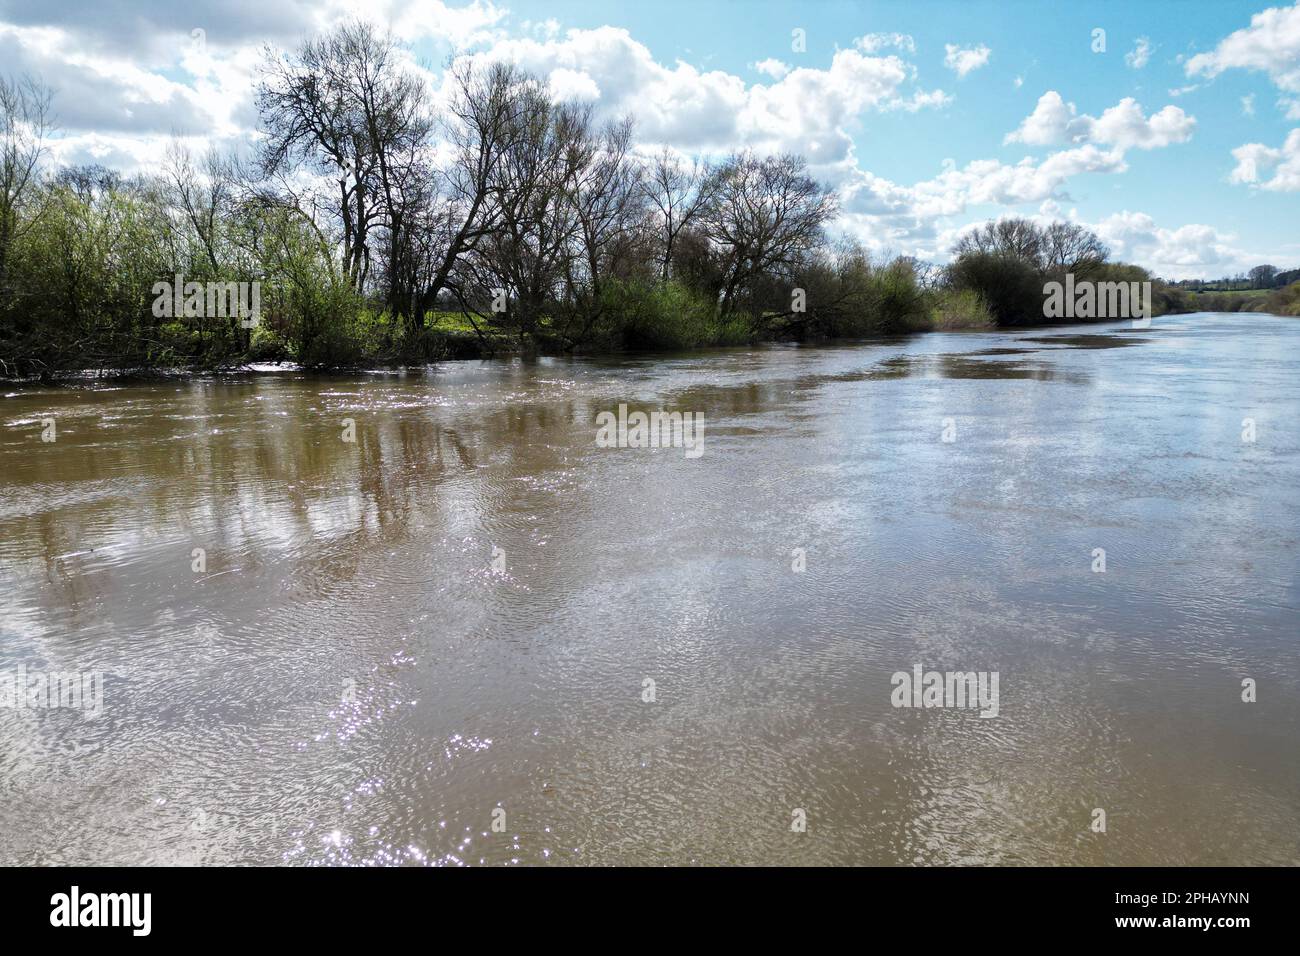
(321, 651)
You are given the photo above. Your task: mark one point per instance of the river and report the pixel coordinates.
(473, 635)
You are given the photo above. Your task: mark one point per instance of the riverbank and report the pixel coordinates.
(450, 336)
(469, 347)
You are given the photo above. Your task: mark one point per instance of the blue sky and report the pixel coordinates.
(1180, 143)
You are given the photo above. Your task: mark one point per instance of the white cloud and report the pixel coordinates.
(1189, 251)
(1140, 55)
(1123, 126)
(921, 99)
(98, 91)
(1270, 44)
(1255, 162)
(772, 67)
(123, 68)
(874, 42)
(984, 181)
(178, 86)
(1248, 105)
(963, 60)
(546, 29)
(566, 84)
(460, 26)
(892, 217)
(1049, 123)
(804, 111)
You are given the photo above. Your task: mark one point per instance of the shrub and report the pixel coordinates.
(1284, 301)
(660, 315)
(1010, 287)
(895, 299)
(960, 309)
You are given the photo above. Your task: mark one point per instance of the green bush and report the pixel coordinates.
(660, 315)
(1284, 301)
(960, 309)
(894, 298)
(1010, 287)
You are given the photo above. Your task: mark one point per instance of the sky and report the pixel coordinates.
(1170, 127)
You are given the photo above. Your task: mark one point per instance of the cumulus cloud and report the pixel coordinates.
(1126, 126)
(917, 219)
(95, 91)
(149, 69)
(458, 26)
(566, 84)
(984, 181)
(1271, 44)
(772, 67)
(152, 32)
(1123, 126)
(805, 110)
(1140, 55)
(963, 60)
(184, 82)
(1277, 170)
(1185, 252)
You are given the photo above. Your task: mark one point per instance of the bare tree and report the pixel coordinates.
(1017, 238)
(487, 118)
(677, 192)
(526, 254)
(202, 196)
(26, 120)
(1069, 247)
(607, 198)
(345, 106)
(763, 216)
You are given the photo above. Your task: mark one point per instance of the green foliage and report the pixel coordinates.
(1284, 301)
(1010, 287)
(647, 315)
(960, 309)
(895, 298)
(1008, 264)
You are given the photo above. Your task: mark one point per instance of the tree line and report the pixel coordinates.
(388, 221)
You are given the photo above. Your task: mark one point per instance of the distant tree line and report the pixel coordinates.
(387, 222)
(1261, 277)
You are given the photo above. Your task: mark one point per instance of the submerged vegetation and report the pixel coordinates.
(381, 227)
